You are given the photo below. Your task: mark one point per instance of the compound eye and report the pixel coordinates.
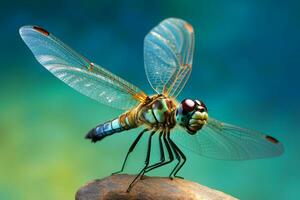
(188, 105)
(200, 103)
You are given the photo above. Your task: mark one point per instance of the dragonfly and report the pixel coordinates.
(168, 59)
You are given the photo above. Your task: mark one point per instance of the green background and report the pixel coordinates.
(246, 70)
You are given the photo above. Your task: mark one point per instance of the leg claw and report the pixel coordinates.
(118, 172)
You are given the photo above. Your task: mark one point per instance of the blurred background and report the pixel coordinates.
(246, 70)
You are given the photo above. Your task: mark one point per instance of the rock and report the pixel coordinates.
(149, 188)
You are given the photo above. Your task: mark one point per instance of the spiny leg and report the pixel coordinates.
(175, 152)
(161, 147)
(131, 149)
(162, 153)
(171, 157)
(178, 166)
(146, 161)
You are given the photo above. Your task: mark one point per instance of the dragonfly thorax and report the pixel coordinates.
(158, 112)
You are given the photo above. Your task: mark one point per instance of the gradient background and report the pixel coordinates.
(246, 70)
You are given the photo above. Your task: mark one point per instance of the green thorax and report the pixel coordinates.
(158, 111)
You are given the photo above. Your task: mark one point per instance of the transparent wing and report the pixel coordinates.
(78, 72)
(168, 56)
(219, 140)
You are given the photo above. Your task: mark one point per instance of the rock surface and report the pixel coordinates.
(149, 188)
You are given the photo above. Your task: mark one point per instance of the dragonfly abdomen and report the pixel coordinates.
(123, 122)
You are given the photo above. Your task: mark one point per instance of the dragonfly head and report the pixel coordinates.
(191, 115)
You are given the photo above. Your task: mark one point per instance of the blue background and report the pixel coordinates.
(246, 70)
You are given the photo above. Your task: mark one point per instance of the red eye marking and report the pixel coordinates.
(188, 105)
(41, 30)
(200, 103)
(271, 139)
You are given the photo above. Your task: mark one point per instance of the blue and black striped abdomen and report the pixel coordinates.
(113, 126)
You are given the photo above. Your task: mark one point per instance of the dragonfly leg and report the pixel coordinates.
(176, 155)
(169, 150)
(146, 161)
(162, 154)
(131, 149)
(179, 165)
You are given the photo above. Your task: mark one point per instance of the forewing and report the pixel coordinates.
(168, 56)
(219, 140)
(78, 72)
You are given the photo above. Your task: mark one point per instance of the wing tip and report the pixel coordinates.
(277, 144)
(189, 27)
(41, 30)
(174, 19)
(24, 29)
(271, 139)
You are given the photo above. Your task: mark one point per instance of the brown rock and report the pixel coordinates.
(149, 188)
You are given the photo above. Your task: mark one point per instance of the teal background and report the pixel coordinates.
(246, 70)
